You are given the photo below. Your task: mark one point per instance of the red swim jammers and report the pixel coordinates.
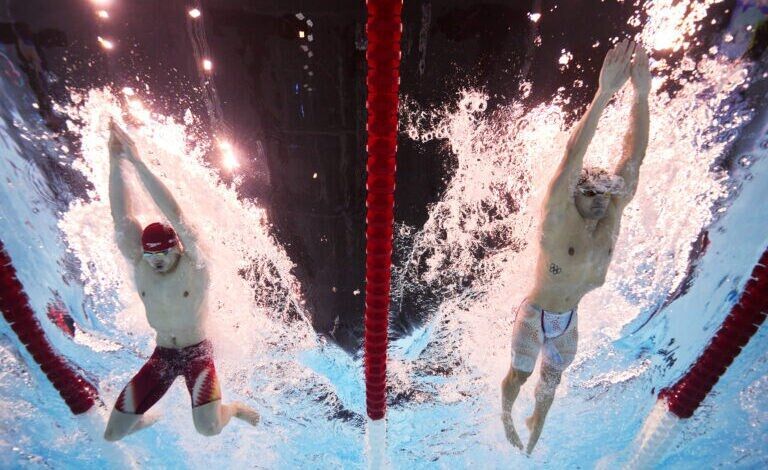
(194, 362)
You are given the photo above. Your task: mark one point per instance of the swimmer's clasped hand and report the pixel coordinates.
(616, 67)
(640, 73)
(120, 144)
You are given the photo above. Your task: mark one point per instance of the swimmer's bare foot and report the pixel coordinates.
(533, 425)
(245, 413)
(509, 429)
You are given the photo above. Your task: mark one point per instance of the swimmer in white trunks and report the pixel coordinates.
(581, 221)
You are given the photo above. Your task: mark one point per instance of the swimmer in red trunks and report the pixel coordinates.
(173, 282)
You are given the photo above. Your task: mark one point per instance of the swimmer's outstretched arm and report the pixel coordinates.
(636, 139)
(127, 228)
(613, 75)
(161, 195)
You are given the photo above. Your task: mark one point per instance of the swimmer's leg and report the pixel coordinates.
(545, 395)
(138, 396)
(566, 345)
(212, 417)
(510, 388)
(122, 424)
(526, 342)
(208, 412)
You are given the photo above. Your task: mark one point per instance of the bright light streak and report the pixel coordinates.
(102, 3)
(534, 17)
(207, 65)
(103, 14)
(105, 43)
(229, 159)
(666, 39)
(302, 34)
(671, 22)
(138, 110)
(194, 13)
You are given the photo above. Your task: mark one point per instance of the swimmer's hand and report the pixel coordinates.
(641, 73)
(615, 71)
(509, 429)
(120, 144)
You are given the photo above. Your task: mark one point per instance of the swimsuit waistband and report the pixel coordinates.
(549, 312)
(186, 349)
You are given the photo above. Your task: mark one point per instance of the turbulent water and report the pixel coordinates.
(705, 169)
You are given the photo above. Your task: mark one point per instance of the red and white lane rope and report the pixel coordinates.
(680, 400)
(79, 394)
(384, 29)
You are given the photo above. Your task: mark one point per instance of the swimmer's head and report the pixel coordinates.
(594, 190)
(161, 247)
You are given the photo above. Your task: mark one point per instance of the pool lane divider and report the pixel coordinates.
(680, 400)
(384, 30)
(78, 393)
(685, 396)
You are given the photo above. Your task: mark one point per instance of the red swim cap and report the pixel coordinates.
(158, 237)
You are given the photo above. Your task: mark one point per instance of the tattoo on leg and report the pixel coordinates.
(555, 269)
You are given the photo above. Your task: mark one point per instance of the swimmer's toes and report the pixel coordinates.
(251, 417)
(515, 441)
(512, 436)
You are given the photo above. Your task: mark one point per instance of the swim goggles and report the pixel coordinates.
(589, 192)
(156, 254)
